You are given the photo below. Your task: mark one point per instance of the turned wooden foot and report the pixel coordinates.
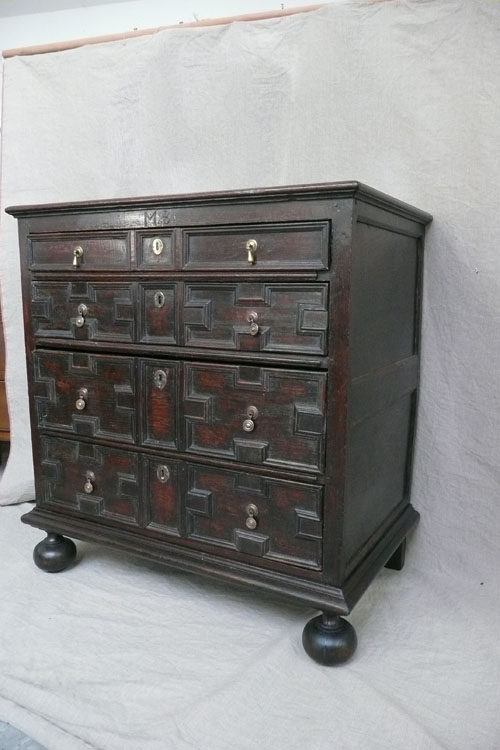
(329, 639)
(397, 561)
(54, 553)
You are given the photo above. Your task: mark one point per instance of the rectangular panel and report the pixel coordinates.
(92, 252)
(85, 394)
(93, 480)
(161, 494)
(300, 245)
(384, 299)
(379, 459)
(256, 317)
(257, 516)
(82, 311)
(158, 319)
(155, 250)
(255, 414)
(159, 389)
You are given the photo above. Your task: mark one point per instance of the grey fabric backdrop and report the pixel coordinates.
(402, 95)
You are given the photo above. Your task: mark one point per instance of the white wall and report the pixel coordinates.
(115, 17)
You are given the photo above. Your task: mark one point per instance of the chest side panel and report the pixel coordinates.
(384, 335)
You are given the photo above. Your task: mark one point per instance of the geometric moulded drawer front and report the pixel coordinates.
(256, 415)
(93, 480)
(256, 317)
(258, 516)
(82, 310)
(85, 394)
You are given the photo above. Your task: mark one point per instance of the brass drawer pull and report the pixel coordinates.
(81, 401)
(251, 247)
(159, 299)
(163, 473)
(77, 256)
(89, 482)
(82, 312)
(252, 319)
(160, 379)
(252, 414)
(157, 246)
(252, 513)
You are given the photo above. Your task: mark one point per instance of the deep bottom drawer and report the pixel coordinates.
(222, 511)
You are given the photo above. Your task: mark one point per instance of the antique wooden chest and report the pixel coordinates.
(227, 383)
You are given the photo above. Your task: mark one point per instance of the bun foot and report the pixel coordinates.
(55, 553)
(329, 640)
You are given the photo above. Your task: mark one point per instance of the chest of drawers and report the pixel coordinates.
(227, 383)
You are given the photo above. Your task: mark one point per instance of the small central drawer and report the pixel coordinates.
(283, 246)
(255, 415)
(85, 394)
(92, 480)
(82, 311)
(256, 317)
(80, 252)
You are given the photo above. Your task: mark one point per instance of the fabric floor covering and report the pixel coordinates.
(124, 655)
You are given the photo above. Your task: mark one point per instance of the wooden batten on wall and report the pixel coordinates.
(42, 49)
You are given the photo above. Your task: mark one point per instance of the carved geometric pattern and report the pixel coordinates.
(109, 316)
(288, 429)
(289, 515)
(291, 317)
(251, 543)
(109, 405)
(115, 480)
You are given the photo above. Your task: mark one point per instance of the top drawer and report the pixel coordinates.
(263, 247)
(86, 252)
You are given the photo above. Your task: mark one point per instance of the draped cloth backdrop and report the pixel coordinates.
(403, 95)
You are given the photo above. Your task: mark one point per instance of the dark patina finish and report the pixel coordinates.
(227, 383)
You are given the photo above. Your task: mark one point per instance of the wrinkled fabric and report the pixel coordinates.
(401, 95)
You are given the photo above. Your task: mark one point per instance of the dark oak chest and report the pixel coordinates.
(227, 383)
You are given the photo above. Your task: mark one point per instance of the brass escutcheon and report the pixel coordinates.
(160, 379)
(159, 299)
(163, 473)
(157, 246)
